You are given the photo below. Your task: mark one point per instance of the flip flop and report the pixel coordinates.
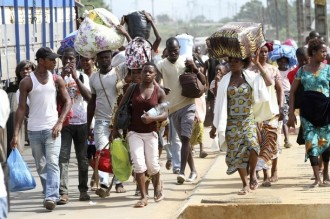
(271, 179)
(266, 184)
(243, 191)
(254, 184)
(120, 188)
(141, 203)
(160, 193)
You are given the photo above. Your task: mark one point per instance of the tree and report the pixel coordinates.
(163, 18)
(250, 12)
(95, 3)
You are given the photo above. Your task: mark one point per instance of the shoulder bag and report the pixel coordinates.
(124, 115)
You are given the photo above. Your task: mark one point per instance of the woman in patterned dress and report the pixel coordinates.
(233, 116)
(268, 130)
(315, 78)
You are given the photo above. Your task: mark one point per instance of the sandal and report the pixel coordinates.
(266, 184)
(273, 179)
(203, 154)
(64, 199)
(160, 193)
(243, 191)
(254, 184)
(120, 188)
(168, 164)
(141, 203)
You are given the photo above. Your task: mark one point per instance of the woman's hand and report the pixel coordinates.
(146, 119)
(213, 132)
(148, 16)
(255, 57)
(292, 120)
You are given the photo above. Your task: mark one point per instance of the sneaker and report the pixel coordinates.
(192, 177)
(84, 196)
(176, 171)
(49, 205)
(180, 179)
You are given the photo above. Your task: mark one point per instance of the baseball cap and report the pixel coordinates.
(46, 52)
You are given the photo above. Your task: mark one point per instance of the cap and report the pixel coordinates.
(46, 52)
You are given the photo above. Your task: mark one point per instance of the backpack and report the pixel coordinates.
(138, 52)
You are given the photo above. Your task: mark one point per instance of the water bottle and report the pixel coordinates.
(159, 109)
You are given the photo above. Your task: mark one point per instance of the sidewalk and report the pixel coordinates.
(28, 204)
(216, 194)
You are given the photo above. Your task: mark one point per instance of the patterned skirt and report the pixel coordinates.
(241, 138)
(317, 139)
(268, 139)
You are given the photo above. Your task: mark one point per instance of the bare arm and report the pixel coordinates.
(25, 87)
(279, 93)
(292, 117)
(91, 110)
(265, 75)
(158, 38)
(66, 106)
(84, 91)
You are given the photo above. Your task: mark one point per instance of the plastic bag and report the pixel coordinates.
(137, 25)
(121, 164)
(20, 176)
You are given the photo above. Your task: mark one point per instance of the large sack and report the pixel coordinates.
(236, 39)
(137, 25)
(138, 52)
(97, 33)
(186, 45)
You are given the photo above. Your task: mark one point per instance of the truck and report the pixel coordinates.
(25, 26)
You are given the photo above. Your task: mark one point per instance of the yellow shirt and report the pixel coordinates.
(171, 73)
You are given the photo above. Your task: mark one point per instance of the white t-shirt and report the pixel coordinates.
(103, 111)
(79, 105)
(4, 113)
(285, 81)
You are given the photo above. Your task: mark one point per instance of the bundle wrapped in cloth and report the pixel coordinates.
(236, 39)
(97, 33)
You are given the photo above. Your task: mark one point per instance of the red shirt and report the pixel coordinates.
(292, 74)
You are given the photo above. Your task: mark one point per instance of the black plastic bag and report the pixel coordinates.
(137, 25)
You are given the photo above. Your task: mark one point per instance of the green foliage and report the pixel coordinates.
(95, 3)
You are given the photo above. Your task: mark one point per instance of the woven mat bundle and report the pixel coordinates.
(236, 39)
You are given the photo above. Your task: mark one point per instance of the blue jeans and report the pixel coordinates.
(46, 150)
(175, 146)
(77, 133)
(101, 136)
(3, 207)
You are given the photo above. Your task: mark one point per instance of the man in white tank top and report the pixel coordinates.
(77, 84)
(44, 125)
(4, 114)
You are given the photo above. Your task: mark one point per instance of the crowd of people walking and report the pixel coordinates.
(79, 103)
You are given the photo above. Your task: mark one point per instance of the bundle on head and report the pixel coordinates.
(236, 39)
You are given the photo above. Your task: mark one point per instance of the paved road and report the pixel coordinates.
(28, 204)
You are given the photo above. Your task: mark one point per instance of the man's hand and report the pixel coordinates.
(14, 142)
(191, 64)
(57, 129)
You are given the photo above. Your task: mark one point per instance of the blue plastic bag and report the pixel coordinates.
(20, 177)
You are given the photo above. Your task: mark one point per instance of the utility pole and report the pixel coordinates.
(276, 20)
(287, 23)
(308, 15)
(300, 22)
(321, 23)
